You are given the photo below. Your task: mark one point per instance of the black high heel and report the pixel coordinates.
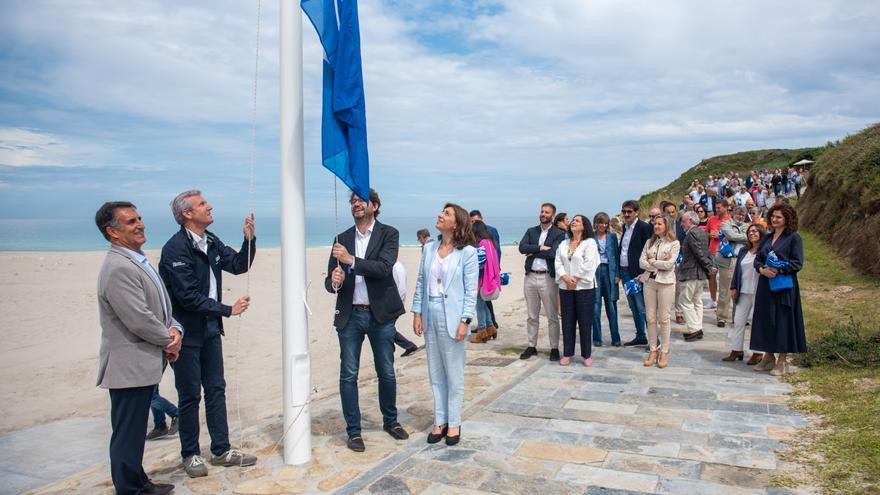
(452, 440)
(434, 438)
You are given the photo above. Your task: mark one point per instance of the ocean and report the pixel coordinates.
(82, 235)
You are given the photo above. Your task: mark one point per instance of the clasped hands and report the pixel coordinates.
(570, 282)
(172, 350)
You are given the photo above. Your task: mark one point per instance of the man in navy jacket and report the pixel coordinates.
(191, 266)
(635, 234)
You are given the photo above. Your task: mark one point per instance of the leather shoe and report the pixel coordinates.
(694, 336)
(356, 443)
(755, 359)
(409, 351)
(529, 352)
(453, 440)
(436, 437)
(636, 341)
(733, 356)
(720, 323)
(679, 319)
(554, 354)
(151, 488)
(396, 431)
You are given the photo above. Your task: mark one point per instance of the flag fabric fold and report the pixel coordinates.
(344, 117)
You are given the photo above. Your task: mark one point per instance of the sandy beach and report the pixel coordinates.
(49, 321)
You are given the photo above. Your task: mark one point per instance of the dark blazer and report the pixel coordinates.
(695, 259)
(643, 231)
(492, 230)
(529, 245)
(376, 267)
(184, 269)
(736, 281)
(612, 249)
(708, 202)
(679, 230)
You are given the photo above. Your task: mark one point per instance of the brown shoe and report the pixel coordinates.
(679, 319)
(733, 356)
(480, 337)
(766, 364)
(755, 359)
(652, 358)
(664, 360)
(491, 332)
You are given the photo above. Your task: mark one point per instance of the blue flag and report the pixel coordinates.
(344, 116)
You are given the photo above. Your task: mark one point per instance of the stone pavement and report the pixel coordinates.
(700, 426)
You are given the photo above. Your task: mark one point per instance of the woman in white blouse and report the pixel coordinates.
(742, 292)
(576, 261)
(658, 260)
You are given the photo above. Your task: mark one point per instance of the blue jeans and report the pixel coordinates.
(604, 287)
(636, 305)
(160, 406)
(351, 341)
(484, 317)
(446, 359)
(201, 367)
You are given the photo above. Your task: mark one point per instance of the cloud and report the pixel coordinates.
(26, 148)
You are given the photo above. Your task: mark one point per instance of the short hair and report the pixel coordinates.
(740, 209)
(475, 213)
(631, 204)
(691, 216)
(722, 202)
(791, 218)
(559, 217)
(664, 204)
(106, 215)
(180, 204)
(588, 228)
(463, 235)
(374, 198)
(422, 233)
(601, 217)
(551, 205)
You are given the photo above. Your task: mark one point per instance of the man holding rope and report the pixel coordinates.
(191, 266)
(360, 272)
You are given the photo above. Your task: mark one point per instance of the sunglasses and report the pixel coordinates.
(627, 212)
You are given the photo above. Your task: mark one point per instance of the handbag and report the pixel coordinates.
(781, 282)
(505, 278)
(492, 295)
(632, 287)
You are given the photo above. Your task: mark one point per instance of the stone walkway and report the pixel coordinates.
(700, 426)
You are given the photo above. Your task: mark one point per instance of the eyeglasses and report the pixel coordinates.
(627, 212)
(653, 216)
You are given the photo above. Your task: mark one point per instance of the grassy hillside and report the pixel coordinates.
(842, 201)
(742, 162)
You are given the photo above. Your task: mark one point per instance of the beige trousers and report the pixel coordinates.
(691, 301)
(658, 300)
(541, 289)
(724, 310)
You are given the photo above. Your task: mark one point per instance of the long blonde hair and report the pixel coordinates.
(670, 230)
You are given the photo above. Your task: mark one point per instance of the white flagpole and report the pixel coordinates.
(294, 321)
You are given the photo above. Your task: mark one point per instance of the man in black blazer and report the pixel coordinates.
(360, 272)
(539, 245)
(635, 234)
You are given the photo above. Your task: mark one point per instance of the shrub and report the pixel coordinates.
(846, 344)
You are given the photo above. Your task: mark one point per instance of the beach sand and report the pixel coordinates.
(49, 323)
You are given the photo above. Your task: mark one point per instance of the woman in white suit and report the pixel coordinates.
(444, 303)
(577, 259)
(658, 260)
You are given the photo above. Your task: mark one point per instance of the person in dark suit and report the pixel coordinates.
(138, 337)
(539, 245)
(192, 263)
(632, 241)
(477, 216)
(360, 273)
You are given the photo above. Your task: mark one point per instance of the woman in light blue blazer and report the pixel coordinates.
(444, 303)
(606, 280)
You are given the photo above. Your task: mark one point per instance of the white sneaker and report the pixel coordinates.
(709, 304)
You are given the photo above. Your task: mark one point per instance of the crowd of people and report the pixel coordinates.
(727, 234)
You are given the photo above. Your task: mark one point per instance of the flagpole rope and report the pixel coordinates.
(253, 163)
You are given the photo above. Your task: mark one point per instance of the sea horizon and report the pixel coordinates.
(79, 235)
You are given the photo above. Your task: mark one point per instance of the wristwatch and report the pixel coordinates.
(466, 321)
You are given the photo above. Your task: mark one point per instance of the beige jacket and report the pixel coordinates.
(658, 257)
(135, 315)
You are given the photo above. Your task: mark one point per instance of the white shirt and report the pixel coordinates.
(749, 281)
(438, 276)
(202, 243)
(540, 264)
(741, 198)
(399, 273)
(361, 241)
(624, 244)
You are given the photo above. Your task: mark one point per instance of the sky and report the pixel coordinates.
(494, 104)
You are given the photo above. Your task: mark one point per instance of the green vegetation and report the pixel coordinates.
(842, 199)
(743, 162)
(842, 382)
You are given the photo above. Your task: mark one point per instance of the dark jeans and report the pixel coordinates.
(636, 305)
(129, 412)
(577, 311)
(197, 368)
(160, 406)
(351, 340)
(604, 288)
(491, 312)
